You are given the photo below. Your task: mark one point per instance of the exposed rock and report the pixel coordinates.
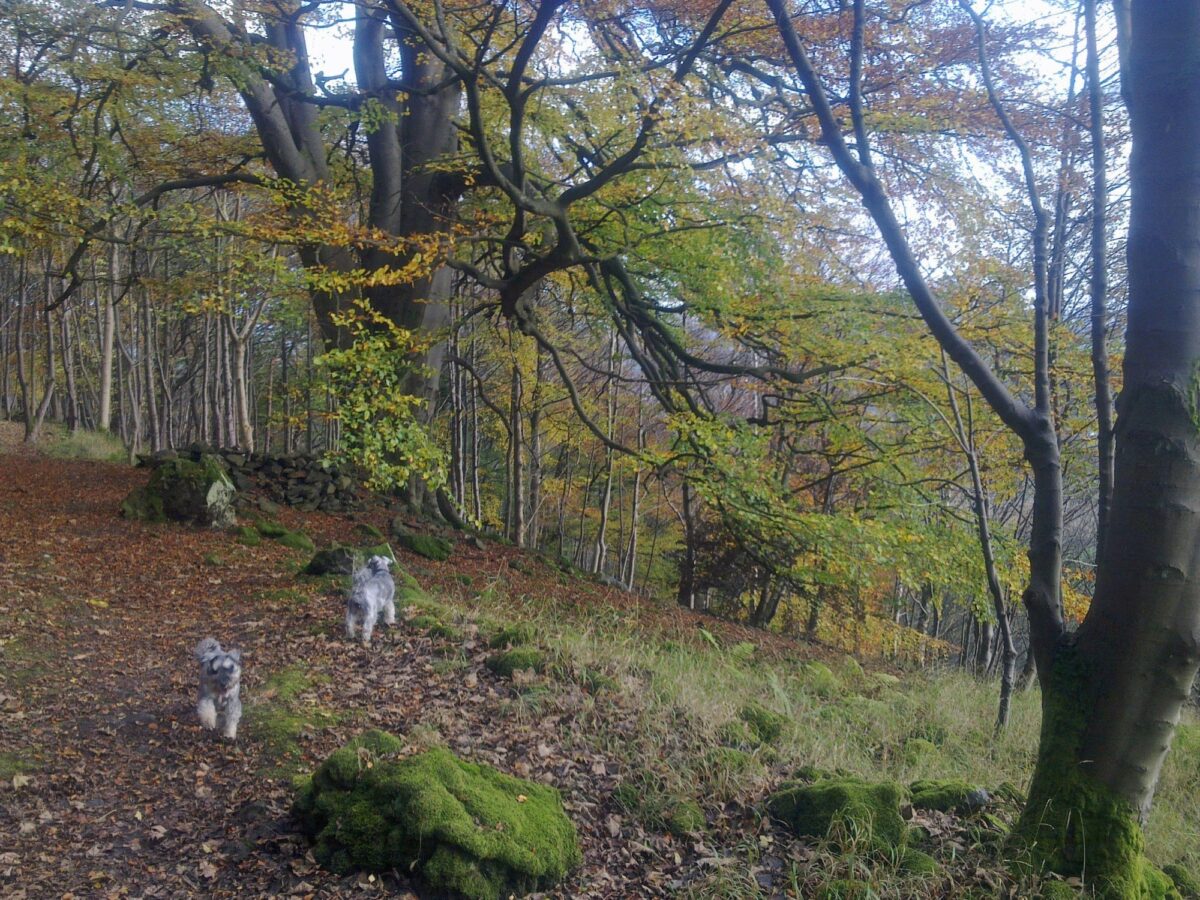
(948, 795)
(183, 490)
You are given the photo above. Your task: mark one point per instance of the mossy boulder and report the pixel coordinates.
(843, 809)
(429, 546)
(517, 659)
(331, 561)
(183, 490)
(465, 829)
(339, 560)
(765, 725)
(948, 795)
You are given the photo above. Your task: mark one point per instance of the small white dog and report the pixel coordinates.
(372, 591)
(220, 687)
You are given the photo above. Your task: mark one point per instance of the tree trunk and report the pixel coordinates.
(1116, 689)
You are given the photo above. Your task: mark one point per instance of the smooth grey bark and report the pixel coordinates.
(1099, 282)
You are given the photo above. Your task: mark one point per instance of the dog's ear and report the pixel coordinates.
(236, 656)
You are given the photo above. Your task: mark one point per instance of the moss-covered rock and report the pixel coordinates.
(465, 829)
(331, 561)
(765, 725)
(844, 809)
(429, 546)
(519, 658)
(182, 490)
(948, 795)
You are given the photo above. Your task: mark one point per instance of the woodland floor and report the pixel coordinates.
(124, 793)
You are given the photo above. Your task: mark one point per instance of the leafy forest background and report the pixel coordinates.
(584, 275)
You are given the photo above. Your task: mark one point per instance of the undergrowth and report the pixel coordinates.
(716, 722)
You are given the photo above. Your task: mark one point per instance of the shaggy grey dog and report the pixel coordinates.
(372, 592)
(220, 687)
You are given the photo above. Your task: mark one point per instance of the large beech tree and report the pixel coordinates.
(1114, 689)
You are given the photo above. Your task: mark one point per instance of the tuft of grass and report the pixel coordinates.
(61, 443)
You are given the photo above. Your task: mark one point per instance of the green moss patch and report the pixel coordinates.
(280, 717)
(15, 764)
(765, 725)
(297, 540)
(685, 817)
(947, 795)
(1186, 883)
(249, 536)
(463, 828)
(519, 658)
(1073, 824)
(435, 627)
(269, 529)
(821, 680)
(427, 545)
(844, 809)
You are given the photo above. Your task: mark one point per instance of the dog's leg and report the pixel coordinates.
(349, 624)
(233, 715)
(207, 712)
(389, 612)
(368, 626)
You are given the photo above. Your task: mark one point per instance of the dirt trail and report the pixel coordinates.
(128, 796)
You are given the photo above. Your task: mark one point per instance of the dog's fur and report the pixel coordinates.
(220, 687)
(372, 591)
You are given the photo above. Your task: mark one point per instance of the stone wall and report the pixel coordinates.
(299, 480)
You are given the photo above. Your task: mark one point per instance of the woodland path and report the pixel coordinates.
(128, 796)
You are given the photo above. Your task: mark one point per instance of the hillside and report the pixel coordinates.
(111, 786)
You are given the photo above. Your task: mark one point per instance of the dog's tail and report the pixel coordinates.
(207, 647)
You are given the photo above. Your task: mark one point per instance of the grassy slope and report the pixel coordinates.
(686, 693)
